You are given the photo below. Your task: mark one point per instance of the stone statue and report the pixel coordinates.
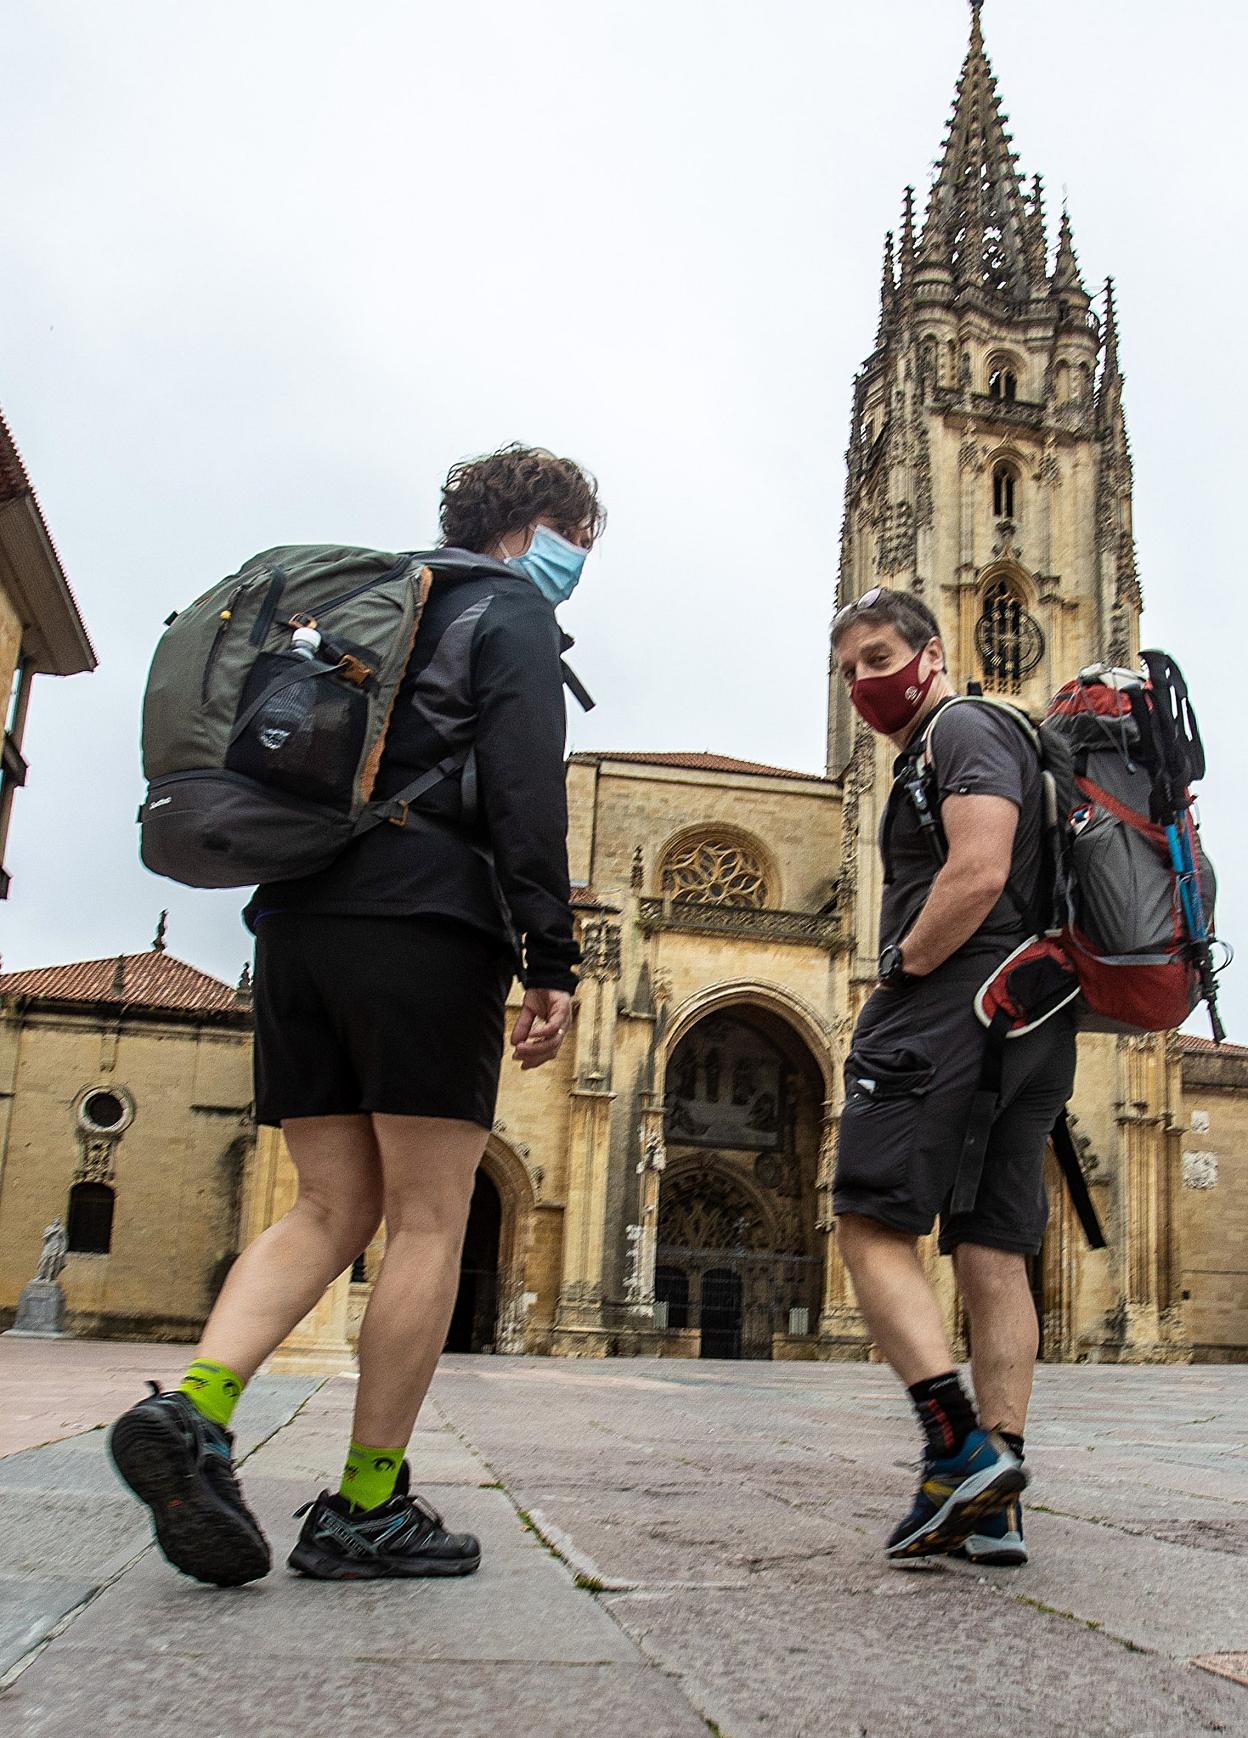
(41, 1307)
(52, 1255)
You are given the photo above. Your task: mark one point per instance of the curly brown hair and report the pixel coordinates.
(485, 498)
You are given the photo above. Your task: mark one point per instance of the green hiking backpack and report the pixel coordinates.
(266, 712)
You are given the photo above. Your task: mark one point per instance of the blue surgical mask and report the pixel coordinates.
(552, 563)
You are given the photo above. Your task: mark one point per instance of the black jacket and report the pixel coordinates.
(484, 672)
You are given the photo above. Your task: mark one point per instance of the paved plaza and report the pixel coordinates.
(670, 1548)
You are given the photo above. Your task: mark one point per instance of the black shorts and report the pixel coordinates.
(919, 1050)
(400, 1015)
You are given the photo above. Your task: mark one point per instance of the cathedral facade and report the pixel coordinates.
(665, 1187)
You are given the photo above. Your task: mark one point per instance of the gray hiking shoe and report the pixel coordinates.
(401, 1537)
(180, 1464)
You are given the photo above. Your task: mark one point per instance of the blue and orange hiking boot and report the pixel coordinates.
(400, 1538)
(998, 1539)
(955, 1495)
(179, 1463)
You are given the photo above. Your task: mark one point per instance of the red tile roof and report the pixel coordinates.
(704, 762)
(147, 980)
(1193, 1045)
(585, 899)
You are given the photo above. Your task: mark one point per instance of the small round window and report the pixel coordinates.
(103, 1111)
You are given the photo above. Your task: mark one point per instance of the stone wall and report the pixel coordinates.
(176, 1165)
(1213, 1202)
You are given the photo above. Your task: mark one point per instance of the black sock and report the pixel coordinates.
(945, 1413)
(1012, 1442)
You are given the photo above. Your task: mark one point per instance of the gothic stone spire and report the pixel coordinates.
(888, 291)
(978, 203)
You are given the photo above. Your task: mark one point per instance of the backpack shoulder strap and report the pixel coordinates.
(1003, 708)
(920, 791)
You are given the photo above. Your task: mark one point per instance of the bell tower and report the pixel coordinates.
(988, 464)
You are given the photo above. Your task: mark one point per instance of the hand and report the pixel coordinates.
(544, 1018)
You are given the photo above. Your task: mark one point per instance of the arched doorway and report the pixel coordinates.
(740, 1259)
(474, 1319)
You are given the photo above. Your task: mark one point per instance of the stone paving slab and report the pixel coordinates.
(907, 1661)
(518, 1645)
(58, 1388)
(720, 1529)
(520, 1605)
(1094, 1635)
(409, 1698)
(70, 1526)
(1167, 1598)
(31, 1610)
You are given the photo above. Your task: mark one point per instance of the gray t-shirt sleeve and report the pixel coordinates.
(977, 753)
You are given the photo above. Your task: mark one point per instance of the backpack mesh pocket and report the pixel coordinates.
(308, 738)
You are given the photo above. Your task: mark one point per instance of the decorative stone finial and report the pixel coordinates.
(158, 942)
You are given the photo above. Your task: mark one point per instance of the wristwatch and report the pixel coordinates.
(891, 970)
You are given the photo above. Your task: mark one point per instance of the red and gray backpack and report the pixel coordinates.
(1123, 920)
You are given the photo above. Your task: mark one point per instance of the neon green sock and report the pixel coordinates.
(212, 1390)
(370, 1475)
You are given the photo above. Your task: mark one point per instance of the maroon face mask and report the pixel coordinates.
(889, 703)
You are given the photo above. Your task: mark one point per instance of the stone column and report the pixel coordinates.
(644, 1235)
(842, 1332)
(580, 1319)
(319, 1344)
(1151, 1316)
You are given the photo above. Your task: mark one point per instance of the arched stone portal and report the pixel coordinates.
(740, 1257)
(490, 1304)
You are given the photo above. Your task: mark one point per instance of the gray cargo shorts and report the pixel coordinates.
(910, 1076)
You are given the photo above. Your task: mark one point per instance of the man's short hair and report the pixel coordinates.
(889, 609)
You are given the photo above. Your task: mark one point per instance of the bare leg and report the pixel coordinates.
(895, 1297)
(1005, 1335)
(428, 1164)
(278, 1278)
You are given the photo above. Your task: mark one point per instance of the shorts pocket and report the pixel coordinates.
(884, 1097)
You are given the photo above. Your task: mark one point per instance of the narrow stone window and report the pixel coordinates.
(89, 1229)
(1003, 480)
(1003, 385)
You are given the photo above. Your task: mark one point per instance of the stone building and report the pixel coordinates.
(125, 1111)
(664, 1186)
(41, 632)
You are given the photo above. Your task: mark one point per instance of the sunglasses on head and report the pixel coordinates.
(865, 602)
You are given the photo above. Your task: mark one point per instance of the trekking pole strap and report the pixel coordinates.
(1076, 1182)
(982, 1116)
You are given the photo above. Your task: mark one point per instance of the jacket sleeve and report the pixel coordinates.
(521, 725)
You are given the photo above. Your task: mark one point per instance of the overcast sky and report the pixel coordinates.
(266, 269)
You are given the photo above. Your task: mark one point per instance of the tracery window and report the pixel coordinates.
(1009, 641)
(710, 870)
(704, 1209)
(1003, 384)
